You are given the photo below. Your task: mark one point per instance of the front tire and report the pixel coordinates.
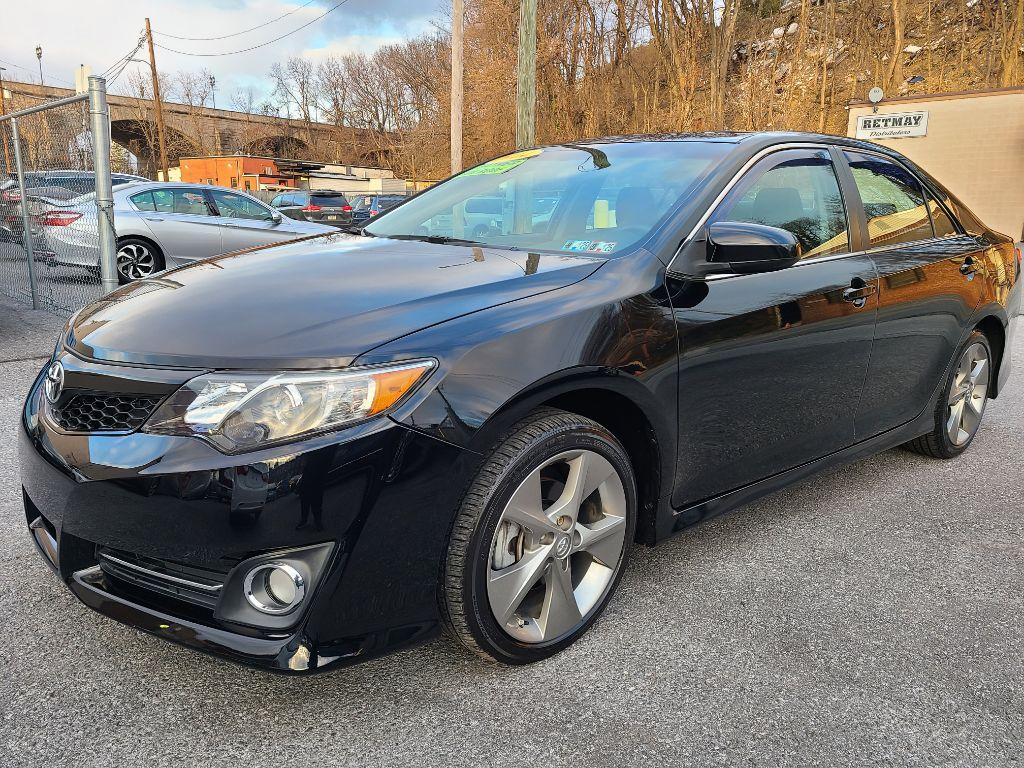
(962, 402)
(540, 539)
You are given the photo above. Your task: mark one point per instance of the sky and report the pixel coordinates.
(98, 32)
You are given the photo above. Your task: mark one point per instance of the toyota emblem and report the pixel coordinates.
(54, 383)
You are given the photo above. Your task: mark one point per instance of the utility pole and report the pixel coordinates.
(3, 111)
(526, 80)
(161, 140)
(457, 68)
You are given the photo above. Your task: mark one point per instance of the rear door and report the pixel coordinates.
(929, 287)
(182, 223)
(245, 223)
(772, 364)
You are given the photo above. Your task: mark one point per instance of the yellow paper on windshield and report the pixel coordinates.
(503, 164)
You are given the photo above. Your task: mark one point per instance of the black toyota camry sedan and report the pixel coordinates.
(312, 454)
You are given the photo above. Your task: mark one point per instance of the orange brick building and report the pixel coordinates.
(245, 171)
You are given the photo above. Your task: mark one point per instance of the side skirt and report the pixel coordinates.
(709, 508)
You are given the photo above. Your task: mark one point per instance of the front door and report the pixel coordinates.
(182, 223)
(246, 223)
(930, 280)
(772, 365)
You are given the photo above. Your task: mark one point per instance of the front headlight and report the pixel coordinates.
(243, 411)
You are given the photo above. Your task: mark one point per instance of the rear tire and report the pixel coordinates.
(137, 259)
(540, 540)
(961, 403)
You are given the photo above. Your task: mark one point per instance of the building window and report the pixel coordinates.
(234, 182)
(209, 181)
(248, 185)
(267, 170)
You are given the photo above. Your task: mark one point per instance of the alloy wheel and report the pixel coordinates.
(968, 394)
(557, 547)
(135, 261)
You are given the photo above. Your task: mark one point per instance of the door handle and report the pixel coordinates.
(858, 292)
(153, 218)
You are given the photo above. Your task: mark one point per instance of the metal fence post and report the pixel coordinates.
(99, 118)
(26, 225)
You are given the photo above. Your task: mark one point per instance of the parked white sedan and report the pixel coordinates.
(161, 225)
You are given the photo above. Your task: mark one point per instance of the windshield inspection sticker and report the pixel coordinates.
(589, 246)
(503, 164)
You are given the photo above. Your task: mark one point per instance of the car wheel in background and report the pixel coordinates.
(540, 538)
(962, 402)
(137, 259)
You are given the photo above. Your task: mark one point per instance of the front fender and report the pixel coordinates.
(613, 331)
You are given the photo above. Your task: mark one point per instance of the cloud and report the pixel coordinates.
(98, 32)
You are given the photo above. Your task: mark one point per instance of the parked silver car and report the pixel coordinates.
(161, 225)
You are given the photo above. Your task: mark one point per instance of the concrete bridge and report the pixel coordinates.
(196, 130)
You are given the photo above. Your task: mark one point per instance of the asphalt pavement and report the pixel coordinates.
(873, 615)
(59, 288)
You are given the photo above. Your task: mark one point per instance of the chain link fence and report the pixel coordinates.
(50, 234)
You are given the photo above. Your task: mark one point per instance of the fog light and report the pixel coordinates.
(274, 588)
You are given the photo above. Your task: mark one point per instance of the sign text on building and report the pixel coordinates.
(895, 125)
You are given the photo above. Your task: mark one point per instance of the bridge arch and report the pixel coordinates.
(276, 145)
(139, 137)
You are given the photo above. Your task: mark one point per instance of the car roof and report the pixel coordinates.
(179, 184)
(746, 138)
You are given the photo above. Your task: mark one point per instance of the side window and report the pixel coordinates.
(184, 201)
(797, 191)
(144, 201)
(277, 202)
(232, 206)
(944, 226)
(893, 200)
(163, 200)
(188, 201)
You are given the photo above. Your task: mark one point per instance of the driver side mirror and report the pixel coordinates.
(750, 248)
(276, 217)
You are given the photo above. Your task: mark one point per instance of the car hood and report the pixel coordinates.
(310, 304)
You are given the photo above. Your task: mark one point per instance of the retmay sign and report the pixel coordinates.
(895, 125)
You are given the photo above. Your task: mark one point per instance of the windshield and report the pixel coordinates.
(599, 198)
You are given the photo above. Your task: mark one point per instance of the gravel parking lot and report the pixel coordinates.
(871, 615)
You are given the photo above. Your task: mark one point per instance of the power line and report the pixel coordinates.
(261, 45)
(111, 78)
(33, 71)
(124, 60)
(244, 31)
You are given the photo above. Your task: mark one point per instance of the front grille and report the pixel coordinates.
(103, 412)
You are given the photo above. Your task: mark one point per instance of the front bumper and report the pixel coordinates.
(382, 494)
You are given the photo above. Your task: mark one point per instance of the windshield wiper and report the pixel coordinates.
(353, 229)
(437, 239)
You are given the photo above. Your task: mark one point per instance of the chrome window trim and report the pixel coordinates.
(209, 588)
(833, 257)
